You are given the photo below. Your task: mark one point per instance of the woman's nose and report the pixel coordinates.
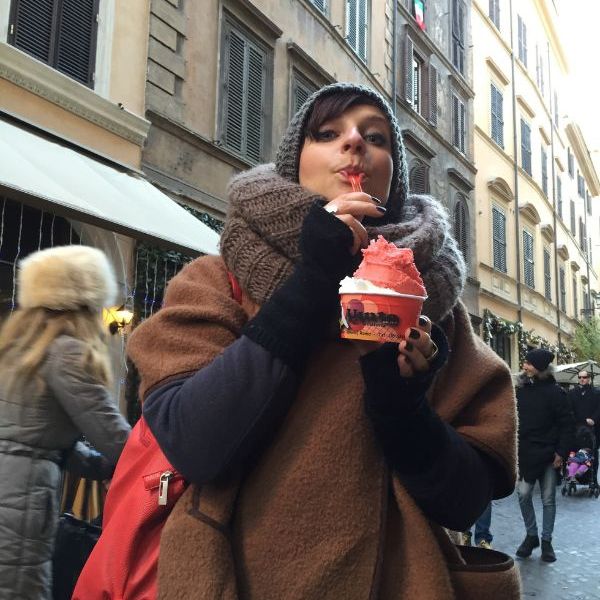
(353, 141)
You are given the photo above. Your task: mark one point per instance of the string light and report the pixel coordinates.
(14, 279)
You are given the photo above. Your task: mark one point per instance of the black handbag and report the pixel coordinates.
(75, 540)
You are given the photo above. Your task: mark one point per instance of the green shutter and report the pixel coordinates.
(234, 91)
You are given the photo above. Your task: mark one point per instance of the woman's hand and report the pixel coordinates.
(351, 208)
(417, 350)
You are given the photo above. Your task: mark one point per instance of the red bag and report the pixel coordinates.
(145, 487)
(124, 562)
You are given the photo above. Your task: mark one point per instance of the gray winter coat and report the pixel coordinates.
(36, 431)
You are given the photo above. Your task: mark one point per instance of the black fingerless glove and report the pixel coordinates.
(298, 314)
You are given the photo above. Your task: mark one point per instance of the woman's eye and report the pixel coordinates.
(326, 135)
(379, 139)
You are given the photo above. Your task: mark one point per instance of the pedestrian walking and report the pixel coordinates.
(546, 432)
(54, 372)
(585, 404)
(300, 445)
(482, 536)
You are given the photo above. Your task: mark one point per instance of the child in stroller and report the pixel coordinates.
(580, 468)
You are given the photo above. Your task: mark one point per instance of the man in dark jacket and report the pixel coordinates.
(585, 404)
(546, 432)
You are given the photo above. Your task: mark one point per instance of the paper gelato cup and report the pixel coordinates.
(378, 317)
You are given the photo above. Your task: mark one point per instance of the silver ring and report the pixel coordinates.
(331, 208)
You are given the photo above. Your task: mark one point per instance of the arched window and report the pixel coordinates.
(418, 178)
(461, 225)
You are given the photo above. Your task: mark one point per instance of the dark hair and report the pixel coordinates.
(330, 107)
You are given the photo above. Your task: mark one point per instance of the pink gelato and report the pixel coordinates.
(387, 266)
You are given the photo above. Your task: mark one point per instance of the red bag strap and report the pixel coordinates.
(236, 290)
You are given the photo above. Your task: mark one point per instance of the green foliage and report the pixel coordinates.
(586, 341)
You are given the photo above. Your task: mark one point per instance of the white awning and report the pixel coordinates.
(59, 179)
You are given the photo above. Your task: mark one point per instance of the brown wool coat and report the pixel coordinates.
(321, 516)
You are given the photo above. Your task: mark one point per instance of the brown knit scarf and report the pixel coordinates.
(262, 232)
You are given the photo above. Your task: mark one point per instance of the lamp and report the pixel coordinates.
(117, 317)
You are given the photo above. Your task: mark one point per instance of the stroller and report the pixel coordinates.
(584, 438)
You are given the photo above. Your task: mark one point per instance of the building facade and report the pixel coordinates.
(72, 128)
(224, 81)
(535, 182)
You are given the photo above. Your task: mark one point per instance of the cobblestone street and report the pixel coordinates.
(576, 573)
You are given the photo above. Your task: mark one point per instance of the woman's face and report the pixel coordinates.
(357, 142)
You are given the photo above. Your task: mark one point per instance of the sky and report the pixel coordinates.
(580, 33)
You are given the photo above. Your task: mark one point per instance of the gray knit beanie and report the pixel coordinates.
(288, 154)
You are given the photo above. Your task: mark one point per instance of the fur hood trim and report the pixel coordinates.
(66, 278)
(547, 373)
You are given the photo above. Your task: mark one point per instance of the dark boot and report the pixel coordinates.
(548, 551)
(526, 548)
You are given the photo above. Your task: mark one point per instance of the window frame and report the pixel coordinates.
(53, 59)
(364, 28)
(459, 123)
(458, 34)
(251, 42)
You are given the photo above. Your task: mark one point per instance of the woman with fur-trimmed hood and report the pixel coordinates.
(54, 372)
(546, 433)
(299, 444)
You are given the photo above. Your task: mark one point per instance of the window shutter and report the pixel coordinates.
(34, 24)
(408, 70)
(499, 235)
(528, 265)
(351, 33)
(300, 94)
(559, 195)
(547, 275)
(462, 127)
(433, 105)
(419, 178)
(461, 226)
(234, 91)
(76, 45)
(573, 217)
(320, 4)
(363, 24)
(255, 104)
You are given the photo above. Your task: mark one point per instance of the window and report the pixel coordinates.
(575, 299)
(528, 260)
(525, 147)
(497, 116)
(420, 83)
(522, 40)
(570, 163)
(556, 109)
(582, 238)
(559, 205)
(580, 185)
(357, 25)
(458, 35)
(494, 12)
(573, 218)
(245, 90)
(60, 33)
(302, 88)
(547, 276)
(458, 123)
(499, 235)
(588, 203)
(320, 4)
(544, 172)
(418, 177)
(500, 344)
(417, 68)
(461, 225)
(563, 289)
(539, 69)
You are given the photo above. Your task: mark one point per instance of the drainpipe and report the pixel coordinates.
(515, 164)
(554, 199)
(394, 56)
